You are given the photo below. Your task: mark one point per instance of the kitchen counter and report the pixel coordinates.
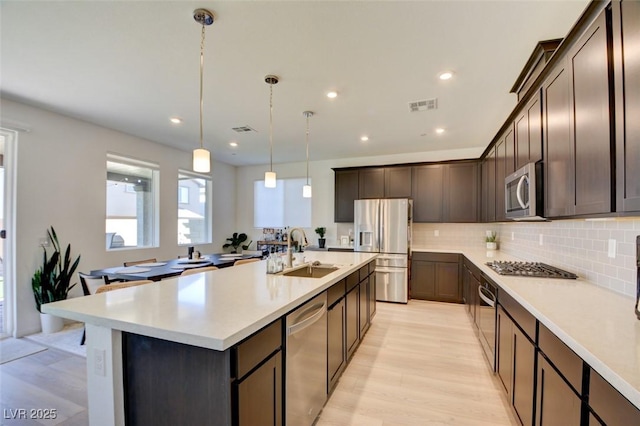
(597, 324)
(214, 310)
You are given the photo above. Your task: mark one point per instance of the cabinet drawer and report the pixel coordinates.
(353, 280)
(520, 315)
(562, 357)
(372, 267)
(364, 272)
(609, 404)
(256, 348)
(336, 292)
(435, 257)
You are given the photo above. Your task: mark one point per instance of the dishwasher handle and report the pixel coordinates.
(309, 321)
(486, 299)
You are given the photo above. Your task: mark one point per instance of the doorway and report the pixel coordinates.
(7, 193)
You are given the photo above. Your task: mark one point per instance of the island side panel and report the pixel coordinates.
(169, 383)
(104, 376)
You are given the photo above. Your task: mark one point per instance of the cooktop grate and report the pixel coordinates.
(530, 269)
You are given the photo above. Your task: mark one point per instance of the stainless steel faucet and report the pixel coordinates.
(303, 243)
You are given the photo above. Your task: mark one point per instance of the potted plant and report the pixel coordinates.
(321, 230)
(52, 281)
(491, 240)
(236, 241)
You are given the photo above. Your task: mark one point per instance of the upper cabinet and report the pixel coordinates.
(346, 192)
(371, 183)
(428, 187)
(397, 182)
(528, 132)
(626, 45)
(489, 187)
(577, 110)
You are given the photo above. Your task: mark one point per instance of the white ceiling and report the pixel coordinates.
(130, 65)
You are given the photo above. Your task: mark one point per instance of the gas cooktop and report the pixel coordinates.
(530, 269)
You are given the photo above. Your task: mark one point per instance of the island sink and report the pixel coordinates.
(310, 271)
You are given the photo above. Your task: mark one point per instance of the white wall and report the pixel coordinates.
(61, 174)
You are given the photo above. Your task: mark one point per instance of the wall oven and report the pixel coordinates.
(524, 193)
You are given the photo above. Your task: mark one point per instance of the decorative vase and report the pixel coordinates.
(492, 246)
(321, 242)
(51, 323)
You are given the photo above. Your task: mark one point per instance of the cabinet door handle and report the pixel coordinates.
(307, 322)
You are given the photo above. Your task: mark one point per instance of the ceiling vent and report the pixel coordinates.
(242, 129)
(424, 105)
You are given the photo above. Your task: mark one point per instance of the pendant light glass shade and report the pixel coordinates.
(201, 160)
(201, 156)
(306, 191)
(269, 179)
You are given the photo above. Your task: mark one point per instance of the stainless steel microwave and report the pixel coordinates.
(523, 193)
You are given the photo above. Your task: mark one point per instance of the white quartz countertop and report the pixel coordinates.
(215, 309)
(597, 324)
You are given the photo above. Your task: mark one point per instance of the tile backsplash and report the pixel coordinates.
(580, 246)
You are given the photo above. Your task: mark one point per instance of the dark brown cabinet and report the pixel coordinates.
(397, 182)
(364, 306)
(353, 320)
(626, 35)
(428, 195)
(446, 192)
(558, 149)
(336, 349)
(501, 173)
(577, 129)
(528, 132)
(371, 183)
(346, 192)
(461, 192)
(471, 282)
(556, 403)
(590, 102)
(372, 292)
(609, 405)
(516, 355)
(436, 276)
(260, 395)
(489, 187)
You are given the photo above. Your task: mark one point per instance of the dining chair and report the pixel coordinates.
(118, 286)
(241, 261)
(198, 270)
(138, 262)
(90, 283)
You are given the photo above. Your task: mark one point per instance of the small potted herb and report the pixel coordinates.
(321, 230)
(491, 240)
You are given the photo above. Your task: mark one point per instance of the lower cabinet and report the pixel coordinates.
(609, 405)
(436, 276)
(556, 403)
(336, 350)
(353, 320)
(260, 394)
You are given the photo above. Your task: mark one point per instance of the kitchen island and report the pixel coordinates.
(200, 319)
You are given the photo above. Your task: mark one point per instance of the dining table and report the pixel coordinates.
(156, 271)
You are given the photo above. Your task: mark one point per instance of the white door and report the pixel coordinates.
(7, 192)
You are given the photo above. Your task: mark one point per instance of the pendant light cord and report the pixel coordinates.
(308, 149)
(201, 90)
(271, 127)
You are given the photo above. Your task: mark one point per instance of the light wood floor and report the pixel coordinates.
(419, 364)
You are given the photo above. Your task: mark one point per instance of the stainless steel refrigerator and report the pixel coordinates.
(384, 226)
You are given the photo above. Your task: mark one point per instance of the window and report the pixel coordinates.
(132, 213)
(194, 208)
(281, 206)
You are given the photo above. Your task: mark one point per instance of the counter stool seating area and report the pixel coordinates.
(118, 286)
(242, 261)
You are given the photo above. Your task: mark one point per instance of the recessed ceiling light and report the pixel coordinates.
(439, 130)
(176, 120)
(233, 144)
(446, 75)
(332, 95)
(364, 138)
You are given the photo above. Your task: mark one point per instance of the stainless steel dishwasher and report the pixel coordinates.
(306, 362)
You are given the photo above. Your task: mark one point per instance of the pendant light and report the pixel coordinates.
(201, 156)
(270, 176)
(306, 189)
